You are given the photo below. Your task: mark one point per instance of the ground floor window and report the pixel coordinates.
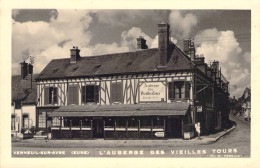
(55, 122)
(42, 119)
(25, 121)
(76, 121)
(13, 122)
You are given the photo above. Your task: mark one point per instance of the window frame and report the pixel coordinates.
(179, 90)
(51, 97)
(96, 94)
(13, 122)
(42, 119)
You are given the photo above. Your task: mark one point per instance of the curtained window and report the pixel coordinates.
(50, 95)
(90, 93)
(178, 90)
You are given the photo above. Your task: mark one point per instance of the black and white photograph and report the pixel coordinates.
(123, 83)
(131, 83)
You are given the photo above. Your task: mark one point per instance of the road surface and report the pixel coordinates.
(232, 145)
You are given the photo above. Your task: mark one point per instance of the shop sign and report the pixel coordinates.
(152, 92)
(159, 134)
(199, 108)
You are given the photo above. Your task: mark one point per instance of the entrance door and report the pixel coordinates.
(177, 127)
(98, 128)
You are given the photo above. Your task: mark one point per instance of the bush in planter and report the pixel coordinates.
(33, 130)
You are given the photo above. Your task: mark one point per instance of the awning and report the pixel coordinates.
(122, 110)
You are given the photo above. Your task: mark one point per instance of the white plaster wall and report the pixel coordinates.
(31, 109)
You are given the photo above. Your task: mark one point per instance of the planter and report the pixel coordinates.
(27, 136)
(188, 135)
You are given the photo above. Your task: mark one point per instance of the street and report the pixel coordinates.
(232, 145)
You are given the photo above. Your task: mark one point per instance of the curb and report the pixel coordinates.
(212, 140)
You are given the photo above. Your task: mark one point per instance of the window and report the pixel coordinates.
(55, 121)
(90, 93)
(178, 90)
(13, 122)
(42, 120)
(73, 94)
(50, 95)
(25, 121)
(116, 92)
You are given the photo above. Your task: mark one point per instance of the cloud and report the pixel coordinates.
(40, 39)
(224, 47)
(54, 39)
(247, 57)
(182, 24)
(129, 17)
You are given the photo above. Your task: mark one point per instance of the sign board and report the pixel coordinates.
(159, 134)
(199, 108)
(152, 92)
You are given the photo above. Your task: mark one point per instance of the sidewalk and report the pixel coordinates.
(99, 143)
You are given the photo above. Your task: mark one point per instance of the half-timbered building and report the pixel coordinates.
(144, 94)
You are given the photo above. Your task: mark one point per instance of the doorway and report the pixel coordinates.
(98, 128)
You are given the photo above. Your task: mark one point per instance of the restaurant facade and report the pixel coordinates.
(153, 93)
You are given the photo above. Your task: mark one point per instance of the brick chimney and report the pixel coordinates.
(24, 69)
(74, 54)
(163, 43)
(30, 69)
(189, 49)
(141, 43)
(215, 66)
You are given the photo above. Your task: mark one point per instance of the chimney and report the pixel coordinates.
(30, 69)
(24, 69)
(74, 54)
(189, 48)
(141, 43)
(163, 43)
(215, 66)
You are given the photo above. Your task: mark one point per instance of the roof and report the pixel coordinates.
(155, 109)
(141, 61)
(21, 89)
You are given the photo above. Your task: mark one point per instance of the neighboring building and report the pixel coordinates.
(235, 107)
(245, 100)
(24, 94)
(144, 94)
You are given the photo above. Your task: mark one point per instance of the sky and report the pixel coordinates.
(45, 34)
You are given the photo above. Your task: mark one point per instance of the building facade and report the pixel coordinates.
(24, 93)
(144, 94)
(246, 104)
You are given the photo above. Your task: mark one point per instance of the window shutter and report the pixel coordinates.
(113, 91)
(73, 95)
(46, 96)
(171, 90)
(96, 93)
(55, 95)
(187, 90)
(83, 94)
(70, 95)
(76, 95)
(119, 92)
